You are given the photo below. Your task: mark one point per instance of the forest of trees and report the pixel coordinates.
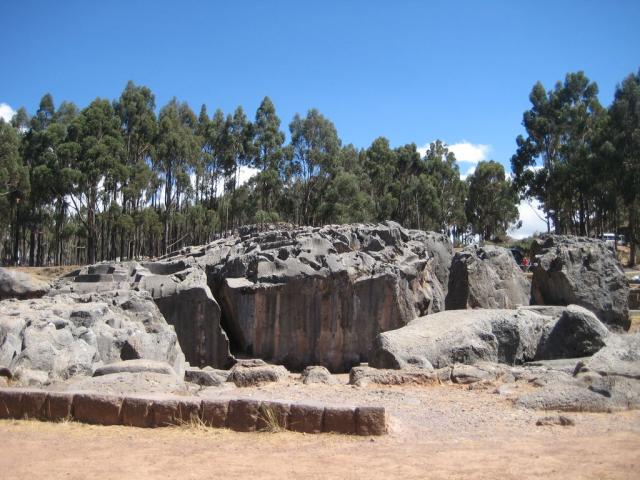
(119, 179)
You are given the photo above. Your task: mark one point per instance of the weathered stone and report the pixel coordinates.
(620, 357)
(577, 333)
(10, 406)
(481, 371)
(560, 420)
(135, 366)
(65, 335)
(317, 374)
(58, 406)
(184, 298)
(371, 421)
(246, 375)
(461, 336)
(137, 412)
(33, 402)
(98, 409)
(581, 271)
(486, 277)
(306, 418)
(214, 412)
(361, 376)
(175, 411)
(339, 420)
(243, 415)
(319, 296)
(565, 397)
(273, 416)
(205, 378)
(20, 285)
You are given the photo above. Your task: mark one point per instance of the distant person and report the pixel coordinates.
(525, 263)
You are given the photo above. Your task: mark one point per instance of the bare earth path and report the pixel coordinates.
(436, 432)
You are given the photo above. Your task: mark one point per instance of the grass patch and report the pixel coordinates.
(272, 423)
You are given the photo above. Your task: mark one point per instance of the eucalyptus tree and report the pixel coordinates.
(625, 137)
(97, 151)
(553, 163)
(449, 191)
(14, 183)
(492, 203)
(136, 110)
(315, 148)
(268, 152)
(176, 151)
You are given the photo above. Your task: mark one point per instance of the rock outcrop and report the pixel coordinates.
(503, 336)
(14, 284)
(180, 291)
(55, 338)
(486, 277)
(310, 296)
(581, 271)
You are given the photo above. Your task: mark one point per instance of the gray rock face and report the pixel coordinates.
(361, 376)
(461, 336)
(255, 372)
(180, 291)
(609, 380)
(56, 338)
(205, 378)
(486, 277)
(320, 295)
(14, 284)
(317, 374)
(585, 272)
(135, 366)
(504, 336)
(576, 333)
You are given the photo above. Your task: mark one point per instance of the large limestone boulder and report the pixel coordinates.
(609, 380)
(581, 271)
(186, 302)
(461, 336)
(504, 336)
(486, 277)
(180, 291)
(58, 337)
(14, 284)
(319, 296)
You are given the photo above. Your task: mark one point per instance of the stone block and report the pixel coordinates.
(339, 420)
(175, 411)
(10, 403)
(96, 408)
(371, 421)
(214, 412)
(243, 415)
(58, 406)
(33, 402)
(137, 412)
(273, 416)
(306, 418)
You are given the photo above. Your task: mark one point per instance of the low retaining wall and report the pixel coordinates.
(242, 415)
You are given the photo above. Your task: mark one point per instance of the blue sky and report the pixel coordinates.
(412, 71)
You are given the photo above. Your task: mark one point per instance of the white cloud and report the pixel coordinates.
(6, 112)
(470, 171)
(532, 218)
(464, 151)
(470, 152)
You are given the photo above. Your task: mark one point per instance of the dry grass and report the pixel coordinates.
(272, 423)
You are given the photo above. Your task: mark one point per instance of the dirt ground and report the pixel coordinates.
(436, 432)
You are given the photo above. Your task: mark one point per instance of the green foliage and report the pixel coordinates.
(491, 205)
(117, 180)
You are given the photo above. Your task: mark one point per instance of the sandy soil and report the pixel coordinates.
(436, 432)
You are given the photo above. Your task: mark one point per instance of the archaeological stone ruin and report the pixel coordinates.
(144, 342)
